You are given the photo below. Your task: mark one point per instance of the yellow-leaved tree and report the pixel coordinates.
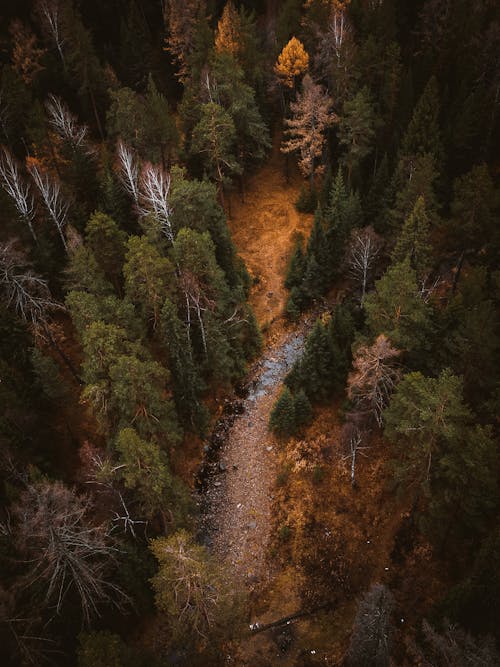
(293, 61)
(228, 36)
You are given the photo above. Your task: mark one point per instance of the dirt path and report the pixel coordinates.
(264, 227)
(240, 498)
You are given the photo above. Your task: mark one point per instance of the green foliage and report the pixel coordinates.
(149, 278)
(296, 266)
(413, 241)
(107, 243)
(396, 309)
(83, 273)
(302, 409)
(412, 179)
(423, 135)
(187, 383)
(357, 131)
(86, 308)
(282, 419)
(145, 471)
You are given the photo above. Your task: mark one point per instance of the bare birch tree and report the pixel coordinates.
(374, 377)
(153, 197)
(352, 439)
(128, 171)
(65, 123)
(312, 114)
(363, 251)
(50, 15)
(18, 189)
(50, 192)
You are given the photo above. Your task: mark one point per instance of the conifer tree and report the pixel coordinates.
(282, 420)
(296, 266)
(302, 408)
(312, 115)
(356, 131)
(397, 309)
(228, 34)
(107, 242)
(423, 135)
(413, 241)
(187, 383)
(292, 62)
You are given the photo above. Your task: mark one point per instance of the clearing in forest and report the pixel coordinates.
(264, 225)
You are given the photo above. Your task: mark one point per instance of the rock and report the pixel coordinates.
(252, 525)
(270, 448)
(222, 466)
(217, 483)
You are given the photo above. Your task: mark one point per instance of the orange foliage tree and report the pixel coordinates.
(292, 62)
(228, 36)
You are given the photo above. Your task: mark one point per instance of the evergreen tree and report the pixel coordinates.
(423, 135)
(282, 420)
(302, 409)
(187, 384)
(149, 278)
(396, 309)
(413, 241)
(356, 132)
(413, 179)
(107, 242)
(296, 265)
(337, 231)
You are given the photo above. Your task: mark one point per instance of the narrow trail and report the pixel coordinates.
(239, 516)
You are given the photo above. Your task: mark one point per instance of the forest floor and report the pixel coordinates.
(264, 225)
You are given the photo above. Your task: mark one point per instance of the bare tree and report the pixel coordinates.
(128, 171)
(65, 123)
(352, 438)
(50, 192)
(17, 189)
(153, 199)
(312, 114)
(363, 251)
(50, 15)
(374, 377)
(24, 291)
(62, 550)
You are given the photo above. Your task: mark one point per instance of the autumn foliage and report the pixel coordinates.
(292, 62)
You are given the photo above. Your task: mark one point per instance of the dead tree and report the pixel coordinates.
(65, 124)
(50, 193)
(62, 550)
(363, 251)
(50, 15)
(153, 198)
(17, 189)
(352, 438)
(128, 170)
(373, 377)
(29, 296)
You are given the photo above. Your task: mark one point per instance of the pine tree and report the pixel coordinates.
(107, 242)
(228, 34)
(423, 135)
(337, 229)
(159, 132)
(413, 241)
(472, 218)
(356, 132)
(187, 383)
(302, 409)
(282, 420)
(296, 266)
(397, 309)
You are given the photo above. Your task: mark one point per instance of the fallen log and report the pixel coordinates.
(255, 628)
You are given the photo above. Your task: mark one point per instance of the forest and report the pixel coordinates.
(250, 347)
